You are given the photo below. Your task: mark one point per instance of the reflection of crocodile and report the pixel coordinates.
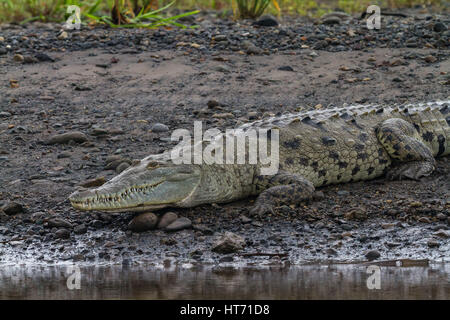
(316, 148)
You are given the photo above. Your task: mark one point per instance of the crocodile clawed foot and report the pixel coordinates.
(413, 170)
(260, 210)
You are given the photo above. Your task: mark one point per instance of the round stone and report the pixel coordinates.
(179, 224)
(144, 222)
(159, 127)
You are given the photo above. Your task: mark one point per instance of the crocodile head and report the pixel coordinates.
(146, 185)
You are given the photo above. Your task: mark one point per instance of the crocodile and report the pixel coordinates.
(316, 148)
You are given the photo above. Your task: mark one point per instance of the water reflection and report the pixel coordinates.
(296, 282)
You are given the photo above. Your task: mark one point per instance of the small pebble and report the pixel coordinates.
(372, 255)
(159, 127)
(12, 208)
(266, 21)
(62, 234)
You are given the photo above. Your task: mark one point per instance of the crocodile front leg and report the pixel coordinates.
(403, 143)
(281, 189)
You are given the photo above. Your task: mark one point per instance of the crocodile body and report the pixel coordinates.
(316, 148)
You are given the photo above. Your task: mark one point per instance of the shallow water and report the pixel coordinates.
(206, 282)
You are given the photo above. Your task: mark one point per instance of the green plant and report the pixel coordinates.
(151, 19)
(252, 8)
(55, 10)
(352, 6)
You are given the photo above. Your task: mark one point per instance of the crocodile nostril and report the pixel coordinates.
(152, 165)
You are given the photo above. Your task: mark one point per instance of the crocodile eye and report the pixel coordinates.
(185, 170)
(152, 165)
(135, 162)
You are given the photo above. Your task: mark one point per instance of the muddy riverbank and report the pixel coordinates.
(113, 86)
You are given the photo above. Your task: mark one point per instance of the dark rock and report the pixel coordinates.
(222, 68)
(442, 234)
(245, 219)
(12, 208)
(430, 59)
(318, 195)
(392, 244)
(439, 27)
(266, 21)
(441, 216)
(331, 20)
(66, 137)
(30, 59)
(250, 48)
(97, 224)
(372, 255)
(62, 234)
(356, 214)
(97, 131)
(331, 251)
(433, 243)
(80, 229)
(59, 223)
(228, 243)
(144, 222)
(220, 37)
(64, 155)
(203, 229)
(168, 241)
(319, 45)
(213, 104)
(226, 259)
(43, 57)
(286, 68)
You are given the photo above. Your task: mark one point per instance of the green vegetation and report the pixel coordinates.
(251, 8)
(138, 17)
(123, 13)
(153, 13)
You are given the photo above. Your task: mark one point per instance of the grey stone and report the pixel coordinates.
(167, 219)
(179, 224)
(66, 137)
(159, 127)
(228, 243)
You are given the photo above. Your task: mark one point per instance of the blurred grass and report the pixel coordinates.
(54, 10)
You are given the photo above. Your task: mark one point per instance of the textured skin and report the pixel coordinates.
(317, 148)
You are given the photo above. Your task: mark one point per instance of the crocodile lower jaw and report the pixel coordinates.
(81, 206)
